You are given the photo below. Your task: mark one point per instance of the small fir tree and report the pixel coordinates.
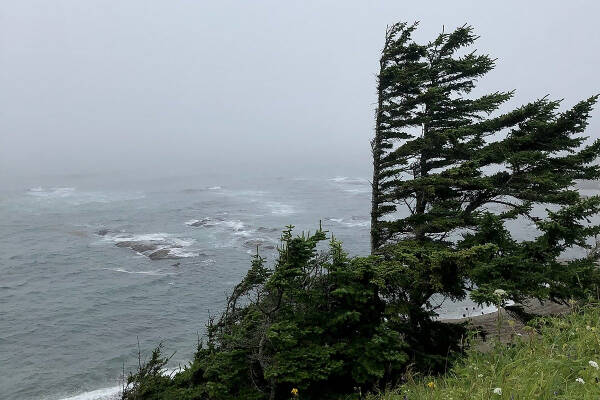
(315, 322)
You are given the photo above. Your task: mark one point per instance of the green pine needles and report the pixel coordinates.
(450, 176)
(314, 322)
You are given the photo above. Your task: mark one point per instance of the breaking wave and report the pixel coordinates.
(150, 273)
(352, 185)
(349, 181)
(352, 222)
(112, 393)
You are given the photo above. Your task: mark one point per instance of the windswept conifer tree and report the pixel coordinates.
(452, 175)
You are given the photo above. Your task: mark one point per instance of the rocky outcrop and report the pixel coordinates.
(265, 244)
(162, 254)
(140, 247)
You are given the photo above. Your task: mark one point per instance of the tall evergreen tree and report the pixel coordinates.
(450, 175)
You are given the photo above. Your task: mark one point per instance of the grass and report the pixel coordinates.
(545, 366)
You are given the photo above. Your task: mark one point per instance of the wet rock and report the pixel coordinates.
(140, 247)
(102, 232)
(203, 222)
(162, 254)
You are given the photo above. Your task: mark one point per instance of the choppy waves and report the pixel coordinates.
(193, 235)
(352, 222)
(278, 208)
(352, 185)
(239, 233)
(112, 393)
(75, 197)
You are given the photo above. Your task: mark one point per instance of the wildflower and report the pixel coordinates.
(580, 380)
(497, 391)
(294, 392)
(480, 376)
(431, 385)
(593, 364)
(500, 292)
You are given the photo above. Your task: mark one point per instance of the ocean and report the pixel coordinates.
(88, 268)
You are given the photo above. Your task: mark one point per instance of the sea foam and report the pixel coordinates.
(111, 393)
(154, 245)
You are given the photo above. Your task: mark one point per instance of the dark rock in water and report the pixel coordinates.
(140, 247)
(262, 243)
(202, 222)
(263, 229)
(161, 255)
(102, 232)
(177, 264)
(191, 190)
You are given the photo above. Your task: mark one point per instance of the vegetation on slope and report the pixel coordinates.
(560, 363)
(321, 325)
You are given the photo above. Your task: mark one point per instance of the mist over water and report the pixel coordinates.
(147, 149)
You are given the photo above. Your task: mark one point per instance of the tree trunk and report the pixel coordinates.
(377, 151)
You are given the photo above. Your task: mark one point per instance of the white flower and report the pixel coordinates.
(593, 364)
(579, 380)
(498, 391)
(500, 292)
(480, 375)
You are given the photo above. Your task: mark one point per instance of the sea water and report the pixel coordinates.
(89, 268)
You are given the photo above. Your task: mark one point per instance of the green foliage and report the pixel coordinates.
(314, 322)
(150, 375)
(537, 367)
(450, 176)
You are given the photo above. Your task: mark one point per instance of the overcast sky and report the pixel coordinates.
(172, 87)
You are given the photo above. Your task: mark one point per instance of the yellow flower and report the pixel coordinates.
(294, 392)
(431, 385)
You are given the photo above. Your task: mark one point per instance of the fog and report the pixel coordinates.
(158, 88)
